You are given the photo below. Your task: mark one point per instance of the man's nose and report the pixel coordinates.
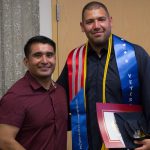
(96, 24)
(44, 59)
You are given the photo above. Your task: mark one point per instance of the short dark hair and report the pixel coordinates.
(94, 5)
(38, 39)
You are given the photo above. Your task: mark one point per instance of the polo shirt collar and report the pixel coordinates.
(35, 85)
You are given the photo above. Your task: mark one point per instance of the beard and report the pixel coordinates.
(100, 41)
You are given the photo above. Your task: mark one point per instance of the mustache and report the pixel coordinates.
(97, 31)
(46, 65)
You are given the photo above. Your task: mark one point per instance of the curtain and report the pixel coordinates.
(19, 21)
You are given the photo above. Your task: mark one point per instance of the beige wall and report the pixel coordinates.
(130, 20)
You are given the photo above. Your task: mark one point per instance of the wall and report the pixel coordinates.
(45, 17)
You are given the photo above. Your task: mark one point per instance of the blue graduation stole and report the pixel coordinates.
(128, 70)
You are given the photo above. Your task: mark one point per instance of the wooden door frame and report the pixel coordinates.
(55, 37)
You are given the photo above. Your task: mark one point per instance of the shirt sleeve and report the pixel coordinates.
(12, 111)
(143, 60)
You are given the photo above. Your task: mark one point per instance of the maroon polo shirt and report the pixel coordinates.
(40, 114)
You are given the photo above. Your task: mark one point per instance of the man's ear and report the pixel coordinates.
(110, 20)
(82, 27)
(25, 61)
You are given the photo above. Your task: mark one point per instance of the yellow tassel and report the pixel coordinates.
(103, 147)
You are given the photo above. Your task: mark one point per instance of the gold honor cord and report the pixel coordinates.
(85, 68)
(106, 69)
(104, 77)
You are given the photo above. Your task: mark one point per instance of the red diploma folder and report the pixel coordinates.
(110, 133)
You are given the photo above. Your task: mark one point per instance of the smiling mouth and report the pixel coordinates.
(97, 34)
(44, 68)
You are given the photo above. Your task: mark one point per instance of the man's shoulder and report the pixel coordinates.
(16, 91)
(79, 47)
(59, 87)
(138, 49)
(19, 86)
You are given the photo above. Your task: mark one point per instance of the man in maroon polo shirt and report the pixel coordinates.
(33, 112)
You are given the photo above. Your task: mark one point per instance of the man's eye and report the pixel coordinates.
(102, 19)
(50, 54)
(37, 55)
(89, 21)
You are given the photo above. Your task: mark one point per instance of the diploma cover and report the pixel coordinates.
(107, 124)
